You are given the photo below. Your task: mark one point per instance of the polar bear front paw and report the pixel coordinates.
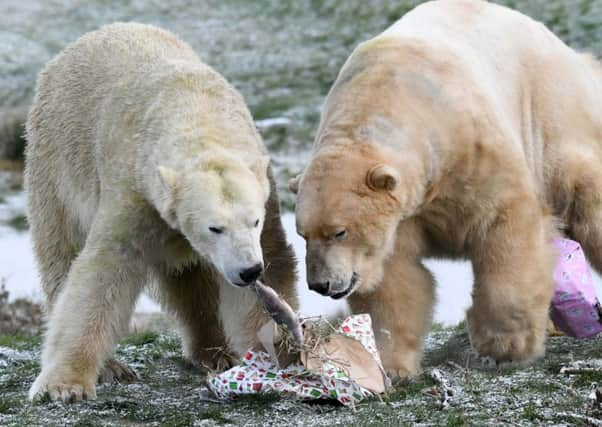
(68, 392)
(211, 359)
(217, 363)
(503, 346)
(398, 375)
(114, 371)
(400, 368)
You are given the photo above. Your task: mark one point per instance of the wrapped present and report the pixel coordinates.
(344, 366)
(575, 309)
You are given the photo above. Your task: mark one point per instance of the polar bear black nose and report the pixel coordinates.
(251, 274)
(320, 287)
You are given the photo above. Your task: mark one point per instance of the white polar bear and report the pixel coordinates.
(143, 165)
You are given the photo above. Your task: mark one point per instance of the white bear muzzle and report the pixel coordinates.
(239, 258)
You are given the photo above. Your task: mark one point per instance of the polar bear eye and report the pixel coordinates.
(216, 230)
(340, 235)
(256, 223)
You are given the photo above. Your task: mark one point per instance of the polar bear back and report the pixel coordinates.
(503, 68)
(103, 97)
(511, 59)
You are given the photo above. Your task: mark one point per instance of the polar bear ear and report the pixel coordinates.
(167, 199)
(293, 184)
(169, 178)
(260, 169)
(260, 166)
(382, 177)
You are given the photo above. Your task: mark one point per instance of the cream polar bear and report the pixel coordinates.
(458, 132)
(143, 165)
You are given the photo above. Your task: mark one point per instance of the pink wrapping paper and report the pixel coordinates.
(574, 307)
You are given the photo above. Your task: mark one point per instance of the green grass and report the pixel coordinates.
(22, 372)
(438, 327)
(587, 379)
(530, 412)
(287, 204)
(20, 342)
(215, 415)
(9, 405)
(409, 388)
(169, 342)
(141, 338)
(455, 419)
(542, 387)
(142, 412)
(18, 222)
(168, 393)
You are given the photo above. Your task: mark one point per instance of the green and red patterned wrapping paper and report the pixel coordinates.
(259, 374)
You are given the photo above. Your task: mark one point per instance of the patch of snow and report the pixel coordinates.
(271, 122)
(9, 355)
(14, 204)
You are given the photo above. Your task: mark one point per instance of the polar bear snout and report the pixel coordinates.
(319, 287)
(239, 258)
(335, 290)
(249, 275)
(331, 270)
(348, 289)
(244, 273)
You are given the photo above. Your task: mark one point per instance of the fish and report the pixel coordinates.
(279, 310)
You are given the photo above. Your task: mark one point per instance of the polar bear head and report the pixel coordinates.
(348, 209)
(375, 156)
(219, 206)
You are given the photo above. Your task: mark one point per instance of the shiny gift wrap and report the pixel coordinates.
(575, 309)
(258, 373)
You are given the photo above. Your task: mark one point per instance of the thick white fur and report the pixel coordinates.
(136, 148)
(482, 125)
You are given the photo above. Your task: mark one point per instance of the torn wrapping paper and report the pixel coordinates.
(333, 368)
(575, 309)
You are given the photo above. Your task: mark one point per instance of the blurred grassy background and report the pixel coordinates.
(283, 55)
